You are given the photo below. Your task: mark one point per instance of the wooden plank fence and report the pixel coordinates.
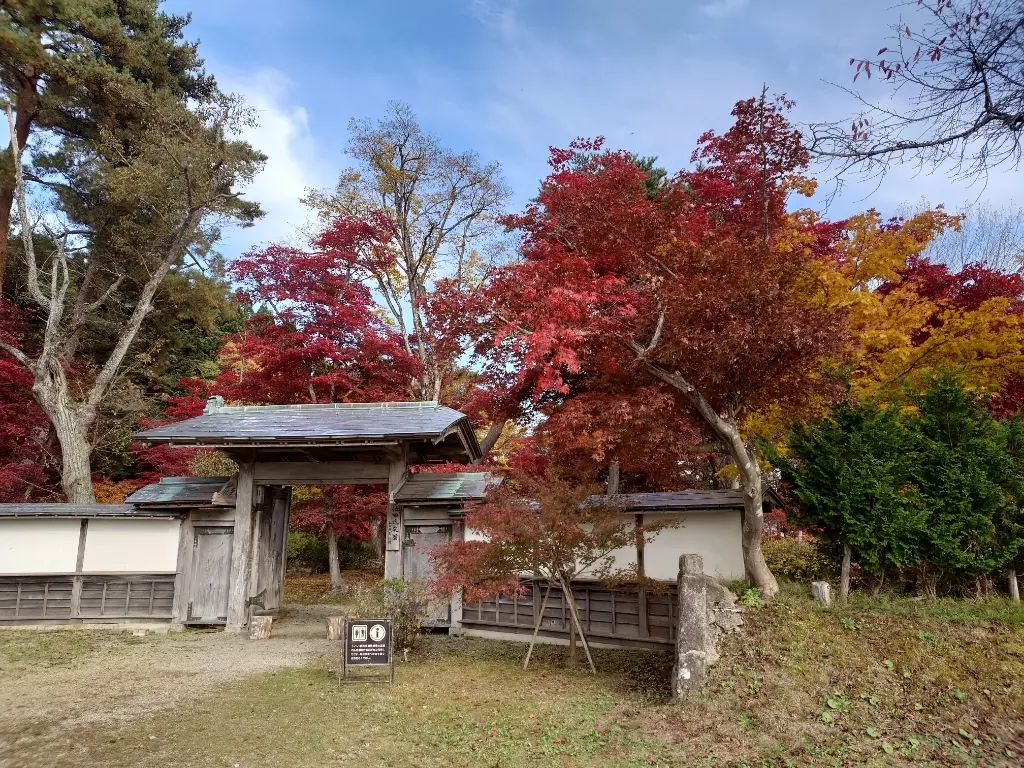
(624, 616)
(24, 599)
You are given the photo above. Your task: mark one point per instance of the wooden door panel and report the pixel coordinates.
(211, 575)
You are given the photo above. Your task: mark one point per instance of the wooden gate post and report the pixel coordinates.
(394, 533)
(241, 549)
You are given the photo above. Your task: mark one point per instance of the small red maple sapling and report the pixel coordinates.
(536, 522)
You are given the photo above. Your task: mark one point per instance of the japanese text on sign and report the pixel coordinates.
(369, 642)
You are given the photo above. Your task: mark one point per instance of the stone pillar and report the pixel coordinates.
(692, 629)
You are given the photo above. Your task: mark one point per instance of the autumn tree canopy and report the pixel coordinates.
(704, 287)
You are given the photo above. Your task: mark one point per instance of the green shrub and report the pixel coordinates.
(307, 552)
(407, 604)
(797, 560)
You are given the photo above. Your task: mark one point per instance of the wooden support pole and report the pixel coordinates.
(395, 533)
(76, 584)
(241, 550)
(536, 625)
(567, 591)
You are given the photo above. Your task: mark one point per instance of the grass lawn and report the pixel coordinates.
(885, 683)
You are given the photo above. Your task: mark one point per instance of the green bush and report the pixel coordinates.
(407, 604)
(306, 551)
(797, 560)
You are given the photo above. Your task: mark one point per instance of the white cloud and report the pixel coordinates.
(722, 7)
(283, 135)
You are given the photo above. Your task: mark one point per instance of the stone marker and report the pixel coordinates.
(821, 592)
(335, 627)
(692, 632)
(259, 627)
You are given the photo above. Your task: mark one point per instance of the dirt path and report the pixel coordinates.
(51, 682)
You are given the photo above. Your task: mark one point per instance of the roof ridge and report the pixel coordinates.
(414, 405)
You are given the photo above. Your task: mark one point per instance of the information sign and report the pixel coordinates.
(368, 643)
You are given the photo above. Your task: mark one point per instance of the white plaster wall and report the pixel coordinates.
(38, 546)
(146, 546)
(714, 535)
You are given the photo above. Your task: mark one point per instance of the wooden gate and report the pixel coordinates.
(211, 575)
(420, 540)
(623, 616)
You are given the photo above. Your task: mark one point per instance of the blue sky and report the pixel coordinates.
(508, 78)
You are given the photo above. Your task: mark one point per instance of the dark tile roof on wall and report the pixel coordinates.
(179, 491)
(79, 510)
(427, 487)
(337, 424)
(677, 500)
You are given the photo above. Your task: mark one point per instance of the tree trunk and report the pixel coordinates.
(726, 429)
(26, 109)
(71, 426)
(490, 440)
(613, 478)
(1014, 587)
(377, 537)
(753, 523)
(844, 578)
(333, 560)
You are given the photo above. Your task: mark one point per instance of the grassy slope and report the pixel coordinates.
(890, 683)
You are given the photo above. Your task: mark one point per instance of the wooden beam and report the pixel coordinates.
(393, 557)
(76, 584)
(182, 580)
(241, 549)
(321, 473)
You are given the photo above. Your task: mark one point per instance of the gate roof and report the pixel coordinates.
(432, 431)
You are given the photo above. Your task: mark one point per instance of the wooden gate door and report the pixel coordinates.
(420, 540)
(211, 575)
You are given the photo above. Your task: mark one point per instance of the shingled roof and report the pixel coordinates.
(679, 500)
(440, 487)
(178, 491)
(337, 425)
(80, 510)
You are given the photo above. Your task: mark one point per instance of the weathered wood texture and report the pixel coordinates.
(335, 627)
(259, 627)
(321, 473)
(821, 591)
(241, 551)
(397, 474)
(98, 597)
(608, 615)
(273, 547)
(211, 573)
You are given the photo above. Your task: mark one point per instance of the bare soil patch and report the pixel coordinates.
(53, 682)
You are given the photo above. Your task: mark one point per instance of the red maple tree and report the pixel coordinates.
(702, 285)
(317, 337)
(29, 464)
(342, 510)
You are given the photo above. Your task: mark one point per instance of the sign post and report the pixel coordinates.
(368, 643)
